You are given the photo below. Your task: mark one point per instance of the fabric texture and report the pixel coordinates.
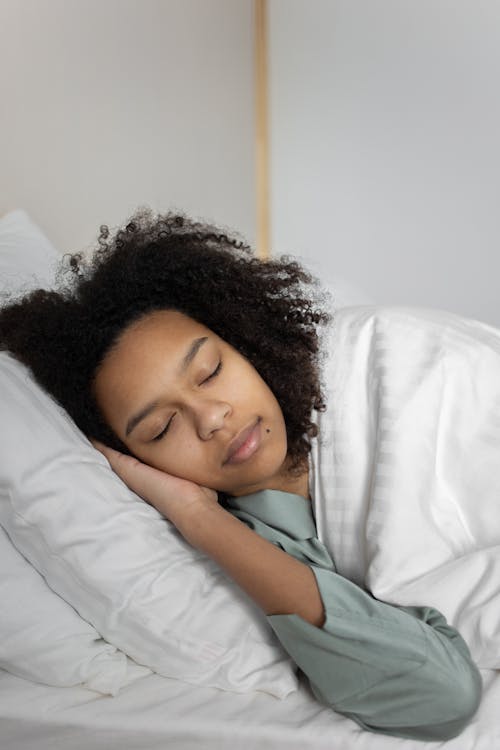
(43, 639)
(397, 670)
(405, 472)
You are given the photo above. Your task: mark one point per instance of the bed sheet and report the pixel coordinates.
(155, 713)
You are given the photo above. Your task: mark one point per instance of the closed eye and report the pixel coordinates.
(214, 373)
(167, 426)
(164, 431)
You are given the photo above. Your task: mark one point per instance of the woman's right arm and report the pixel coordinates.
(276, 581)
(401, 671)
(395, 670)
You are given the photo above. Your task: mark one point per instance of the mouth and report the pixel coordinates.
(245, 444)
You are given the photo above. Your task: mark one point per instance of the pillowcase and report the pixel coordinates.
(42, 638)
(115, 559)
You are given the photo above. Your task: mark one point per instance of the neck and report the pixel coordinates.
(297, 485)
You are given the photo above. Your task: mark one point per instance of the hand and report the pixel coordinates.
(179, 500)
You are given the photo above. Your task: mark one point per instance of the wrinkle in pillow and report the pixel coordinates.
(44, 640)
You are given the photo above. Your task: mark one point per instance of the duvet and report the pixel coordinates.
(405, 476)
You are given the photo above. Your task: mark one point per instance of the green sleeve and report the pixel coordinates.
(401, 671)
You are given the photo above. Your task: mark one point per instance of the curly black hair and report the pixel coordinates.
(269, 311)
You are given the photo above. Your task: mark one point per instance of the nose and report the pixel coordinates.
(210, 416)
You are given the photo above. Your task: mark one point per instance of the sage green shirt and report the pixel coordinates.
(400, 671)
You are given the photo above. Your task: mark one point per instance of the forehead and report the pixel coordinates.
(165, 334)
(147, 352)
(167, 329)
(161, 320)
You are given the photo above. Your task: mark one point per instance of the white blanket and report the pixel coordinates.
(406, 469)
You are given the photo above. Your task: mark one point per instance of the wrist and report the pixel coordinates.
(202, 523)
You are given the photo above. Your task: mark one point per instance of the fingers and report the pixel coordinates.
(104, 449)
(172, 496)
(99, 446)
(111, 454)
(122, 464)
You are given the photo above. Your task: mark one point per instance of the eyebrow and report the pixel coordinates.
(191, 353)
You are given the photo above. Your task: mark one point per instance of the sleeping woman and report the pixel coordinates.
(196, 369)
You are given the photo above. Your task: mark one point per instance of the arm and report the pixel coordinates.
(249, 560)
(400, 671)
(246, 557)
(467, 591)
(395, 670)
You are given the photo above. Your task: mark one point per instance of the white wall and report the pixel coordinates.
(109, 104)
(386, 148)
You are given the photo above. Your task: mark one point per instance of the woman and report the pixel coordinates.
(195, 369)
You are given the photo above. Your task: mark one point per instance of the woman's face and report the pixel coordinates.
(186, 402)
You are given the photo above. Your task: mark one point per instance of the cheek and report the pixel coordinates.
(182, 458)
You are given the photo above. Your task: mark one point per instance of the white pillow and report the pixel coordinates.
(42, 638)
(27, 258)
(117, 561)
(114, 558)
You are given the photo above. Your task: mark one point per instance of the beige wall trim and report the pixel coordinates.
(261, 129)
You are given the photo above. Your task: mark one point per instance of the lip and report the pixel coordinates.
(244, 444)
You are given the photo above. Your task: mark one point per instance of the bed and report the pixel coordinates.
(133, 699)
(156, 713)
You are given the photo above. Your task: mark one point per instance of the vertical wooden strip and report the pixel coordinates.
(261, 129)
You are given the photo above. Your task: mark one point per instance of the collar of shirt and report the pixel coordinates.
(285, 519)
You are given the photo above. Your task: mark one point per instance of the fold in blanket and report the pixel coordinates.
(406, 467)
